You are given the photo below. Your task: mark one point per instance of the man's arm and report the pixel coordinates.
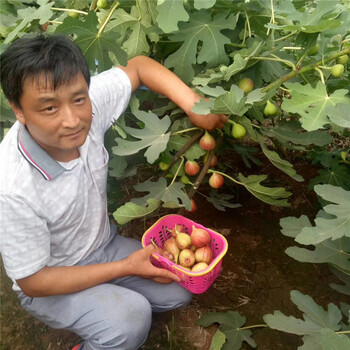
(70, 279)
(144, 70)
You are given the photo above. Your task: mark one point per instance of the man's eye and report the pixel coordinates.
(80, 100)
(49, 109)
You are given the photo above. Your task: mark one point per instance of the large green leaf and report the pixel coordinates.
(315, 317)
(173, 196)
(200, 28)
(311, 103)
(286, 134)
(218, 340)
(342, 288)
(273, 196)
(334, 227)
(314, 19)
(332, 341)
(233, 102)
(176, 142)
(153, 136)
(139, 24)
(43, 13)
(333, 252)
(95, 46)
(337, 175)
(170, 12)
(339, 114)
(131, 211)
(230, 324)
(280, 163)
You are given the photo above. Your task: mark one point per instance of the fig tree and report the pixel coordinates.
(246, 84)
(270, 109)
(337, 70)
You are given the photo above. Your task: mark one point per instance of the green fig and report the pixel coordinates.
(238, 131)
(337, 70)
(343, 59)
(270, 109)
(73, 14)
(102, 4)
(246, 84)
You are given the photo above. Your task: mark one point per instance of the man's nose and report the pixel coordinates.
(70, 117)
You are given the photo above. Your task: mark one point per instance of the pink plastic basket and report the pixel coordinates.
(195, 282)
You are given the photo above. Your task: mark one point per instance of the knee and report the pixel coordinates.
(130, 329)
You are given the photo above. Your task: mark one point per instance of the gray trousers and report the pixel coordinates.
(114, 315)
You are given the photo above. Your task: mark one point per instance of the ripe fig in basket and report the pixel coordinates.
(199, 237)
(171, 246)
(183, 240)
(204, 254)
(199, 267)
(176, 230)
(187, 258)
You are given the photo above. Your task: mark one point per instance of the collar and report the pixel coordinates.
(36, 156)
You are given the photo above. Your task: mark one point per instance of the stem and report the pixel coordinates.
(248, 25)
(188, 144)
(343, 332)
(223, 174)
(93, 5)
(115, 5)
(55, 22)
(177, 171)
(255, 326)
(310, 67)
(321, 74)
(185, 130)
(69, 10)
(272, 19)
(204, 170)
(286, 36)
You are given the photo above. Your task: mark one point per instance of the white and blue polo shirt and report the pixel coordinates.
(52, 213)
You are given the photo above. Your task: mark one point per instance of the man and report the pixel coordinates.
(70, 269)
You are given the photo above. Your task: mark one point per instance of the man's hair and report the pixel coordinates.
(56, 57)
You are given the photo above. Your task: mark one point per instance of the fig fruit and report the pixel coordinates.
(343, 59)
(216, 180)
(193, 206)
(199, 237)
(313, 50)
(176, 230)
(187, 258)
(185, 180)
(207, 141)
(102, 4)
(214, 159)
(246, 84)
(204, 254)
(238, 131)
(270, 109)
(191, 167)
(73, 14)
(337, 70)
(171, 246)
(183, 240)
(163, 166)
(199, 267)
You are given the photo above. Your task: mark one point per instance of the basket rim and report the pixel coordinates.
(211, 266)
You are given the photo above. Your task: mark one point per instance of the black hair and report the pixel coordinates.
(56, 57)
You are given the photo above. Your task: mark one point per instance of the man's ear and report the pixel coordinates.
(18, 112)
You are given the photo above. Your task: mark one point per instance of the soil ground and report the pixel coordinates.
(256, 279)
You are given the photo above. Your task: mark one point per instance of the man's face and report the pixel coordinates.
(58, 120)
